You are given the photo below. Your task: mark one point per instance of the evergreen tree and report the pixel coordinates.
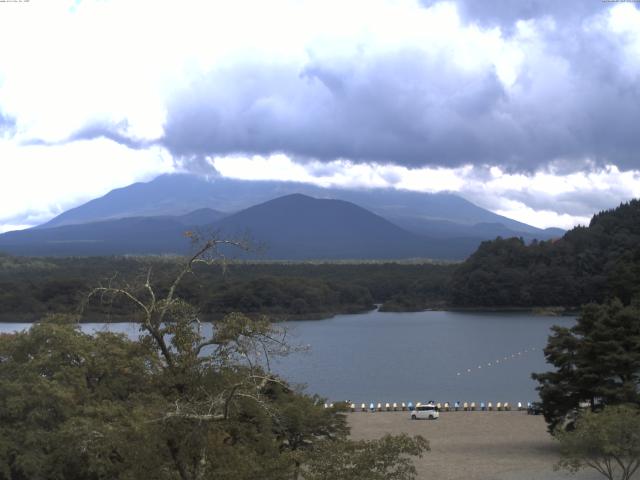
(596, 361)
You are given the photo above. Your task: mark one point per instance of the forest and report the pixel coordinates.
(588, 264)
(33, 287)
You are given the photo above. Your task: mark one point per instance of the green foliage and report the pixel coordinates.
(281, 296)
(586, 265)
(596, 361)
(69, 402)
(181, 402)
(608, 442)
(385, 459)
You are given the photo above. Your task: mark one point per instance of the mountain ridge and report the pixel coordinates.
(296, 227)
(178, 194)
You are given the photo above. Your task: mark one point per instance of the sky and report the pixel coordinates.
(530, 108)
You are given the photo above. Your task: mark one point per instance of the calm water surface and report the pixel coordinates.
(396, 357)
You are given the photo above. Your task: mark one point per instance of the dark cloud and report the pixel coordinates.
(403, 108)
(575, 103)
(413, 109)
(505, 13)
(92, 131)
(111, 132)
(7, 125)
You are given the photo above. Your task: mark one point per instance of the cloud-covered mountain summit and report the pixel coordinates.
(179, 194)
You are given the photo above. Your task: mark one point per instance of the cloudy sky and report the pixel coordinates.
(529, 108)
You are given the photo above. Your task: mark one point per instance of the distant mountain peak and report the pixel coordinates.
(436, 215)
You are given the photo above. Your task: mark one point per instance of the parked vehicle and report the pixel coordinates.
(428, 411)
(534, 408)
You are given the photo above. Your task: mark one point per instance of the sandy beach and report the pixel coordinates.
(474, 445)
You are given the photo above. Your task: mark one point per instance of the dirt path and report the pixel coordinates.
(474, 445)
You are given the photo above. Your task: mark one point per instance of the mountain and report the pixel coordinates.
(202, 216)
(290, 227)
(297, 227)
(441, 215)
(167, 195)
(137, 235)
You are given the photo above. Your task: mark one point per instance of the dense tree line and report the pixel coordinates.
(589, 264)
(32, 287)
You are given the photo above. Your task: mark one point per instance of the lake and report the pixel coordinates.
(402, 357)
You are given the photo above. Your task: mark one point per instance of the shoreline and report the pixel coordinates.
(279, 318)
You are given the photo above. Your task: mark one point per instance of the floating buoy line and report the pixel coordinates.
(497, 361)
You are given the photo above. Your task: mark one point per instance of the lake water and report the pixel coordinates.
(402, 357)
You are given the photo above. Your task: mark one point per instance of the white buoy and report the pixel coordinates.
(498, 406)
(468, 370)
(489, 406)
(458, 374)
(395, 407)
(404, 407)
(520, 406)
(363, 407)
(326, 406)
(387, 407)
(353, 407)
(379, 407)
(473, 406)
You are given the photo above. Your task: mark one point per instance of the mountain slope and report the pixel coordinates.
(137, 235)
(297, 226)
(440, 214)
(167, 195)
(291, 227)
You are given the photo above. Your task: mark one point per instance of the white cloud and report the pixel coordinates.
(540, 218)
(38, 182)
(559, 200)
(8, 227)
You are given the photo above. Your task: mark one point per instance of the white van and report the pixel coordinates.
(426, 410)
